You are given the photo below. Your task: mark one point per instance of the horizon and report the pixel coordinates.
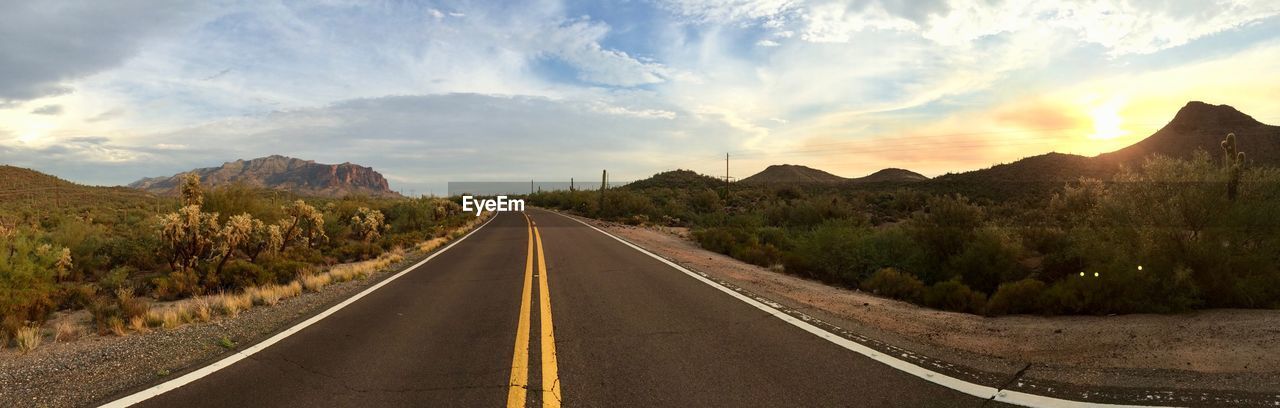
(427, 93)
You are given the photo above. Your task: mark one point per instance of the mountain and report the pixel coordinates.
(1199, 125)
(303, 177)
(790, 173)
(677, 179)
(891, 175)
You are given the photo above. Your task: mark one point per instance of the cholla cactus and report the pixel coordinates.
(191, 192)
(303, 223)
(367, 224)
(236, 235)
(1234, 161)
(63, 264)
(189, 233)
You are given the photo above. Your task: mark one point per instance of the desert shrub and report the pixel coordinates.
(285, 270)
(892, 283)
(987, 260)
(954, 296)
(357, 251)
(177, 284)
(28, 269)
(830, 253)
(117, 278)
(942, 230)
(705, 201)
(240, 274)
(1024, 296)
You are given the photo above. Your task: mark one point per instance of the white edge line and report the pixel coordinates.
(977, 390)
(242, 354)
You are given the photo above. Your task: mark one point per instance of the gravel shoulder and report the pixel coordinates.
(96, 369)
(1213, 350)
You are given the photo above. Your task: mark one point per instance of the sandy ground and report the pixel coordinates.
(1207, 350)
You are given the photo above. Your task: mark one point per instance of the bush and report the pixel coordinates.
(357, 251)
(954, 296)
(895, 284)
(1024, 296)
(283, 270)
(987, 260)
(239, 274)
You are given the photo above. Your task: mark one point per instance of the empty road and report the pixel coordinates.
(536, 309)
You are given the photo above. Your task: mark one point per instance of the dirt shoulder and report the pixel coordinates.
(1213, 350)
(96, 368)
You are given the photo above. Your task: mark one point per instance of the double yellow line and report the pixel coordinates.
(519, 384)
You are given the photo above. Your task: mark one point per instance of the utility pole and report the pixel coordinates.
(726, 175)
(604, 184)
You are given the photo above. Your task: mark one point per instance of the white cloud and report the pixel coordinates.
(45, 44)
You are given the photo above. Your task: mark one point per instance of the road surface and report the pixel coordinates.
(536, 309)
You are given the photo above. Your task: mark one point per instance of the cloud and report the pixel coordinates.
(45, 44)
(53, 110)
(422, 142)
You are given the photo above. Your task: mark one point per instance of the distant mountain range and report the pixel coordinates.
(302, 177)
(1197, 125)
(791, 173)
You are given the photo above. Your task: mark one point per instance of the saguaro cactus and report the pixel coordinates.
(1234, 162)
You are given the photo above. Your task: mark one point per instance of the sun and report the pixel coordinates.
(1107, 120)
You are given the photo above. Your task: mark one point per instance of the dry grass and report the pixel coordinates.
(272, 294)
(233, 304)
(313, 283)
(139, 324)
(64, 331)
(116, 326)
(432, 244)
(201, 311)
(28, 338)
(170, 318)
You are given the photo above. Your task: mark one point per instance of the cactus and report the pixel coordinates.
(1234, 162)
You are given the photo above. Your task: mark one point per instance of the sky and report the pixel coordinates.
(428, 92)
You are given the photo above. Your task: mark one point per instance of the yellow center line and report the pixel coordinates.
(550, 374)
(519, 384)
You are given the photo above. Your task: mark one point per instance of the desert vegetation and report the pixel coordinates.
(1169, 235)
(139, 262)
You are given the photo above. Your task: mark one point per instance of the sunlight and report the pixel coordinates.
(1106, 120)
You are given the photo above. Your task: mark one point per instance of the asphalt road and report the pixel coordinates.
(628, 330)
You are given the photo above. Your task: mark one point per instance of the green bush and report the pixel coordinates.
(954, 296)
(987, 260)
(357, 251)
(1021, 297)
(892, 283)
(239, 274)
(27, 273)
